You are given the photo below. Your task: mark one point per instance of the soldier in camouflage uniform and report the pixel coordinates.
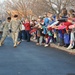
(15, 27)
(6, 29)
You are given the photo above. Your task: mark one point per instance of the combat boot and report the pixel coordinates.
(15, 45)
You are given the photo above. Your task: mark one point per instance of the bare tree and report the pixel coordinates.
(57, 5)
(18, 7)
(37, 7)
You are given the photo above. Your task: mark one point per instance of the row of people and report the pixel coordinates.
(57, 28)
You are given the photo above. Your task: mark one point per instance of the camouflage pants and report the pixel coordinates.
(4, 35)
(15, 37)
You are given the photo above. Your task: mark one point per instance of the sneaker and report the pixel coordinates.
(34, 38)
(23, 40)
(70, 47)
(66, 45)
(46, 45)
(37, 44)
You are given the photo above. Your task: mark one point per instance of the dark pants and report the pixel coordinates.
(49, 38)
(28, 36)
(61, 41)
(38, 39)
(22, 35)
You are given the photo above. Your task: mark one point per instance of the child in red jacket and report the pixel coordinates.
(27, 29)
